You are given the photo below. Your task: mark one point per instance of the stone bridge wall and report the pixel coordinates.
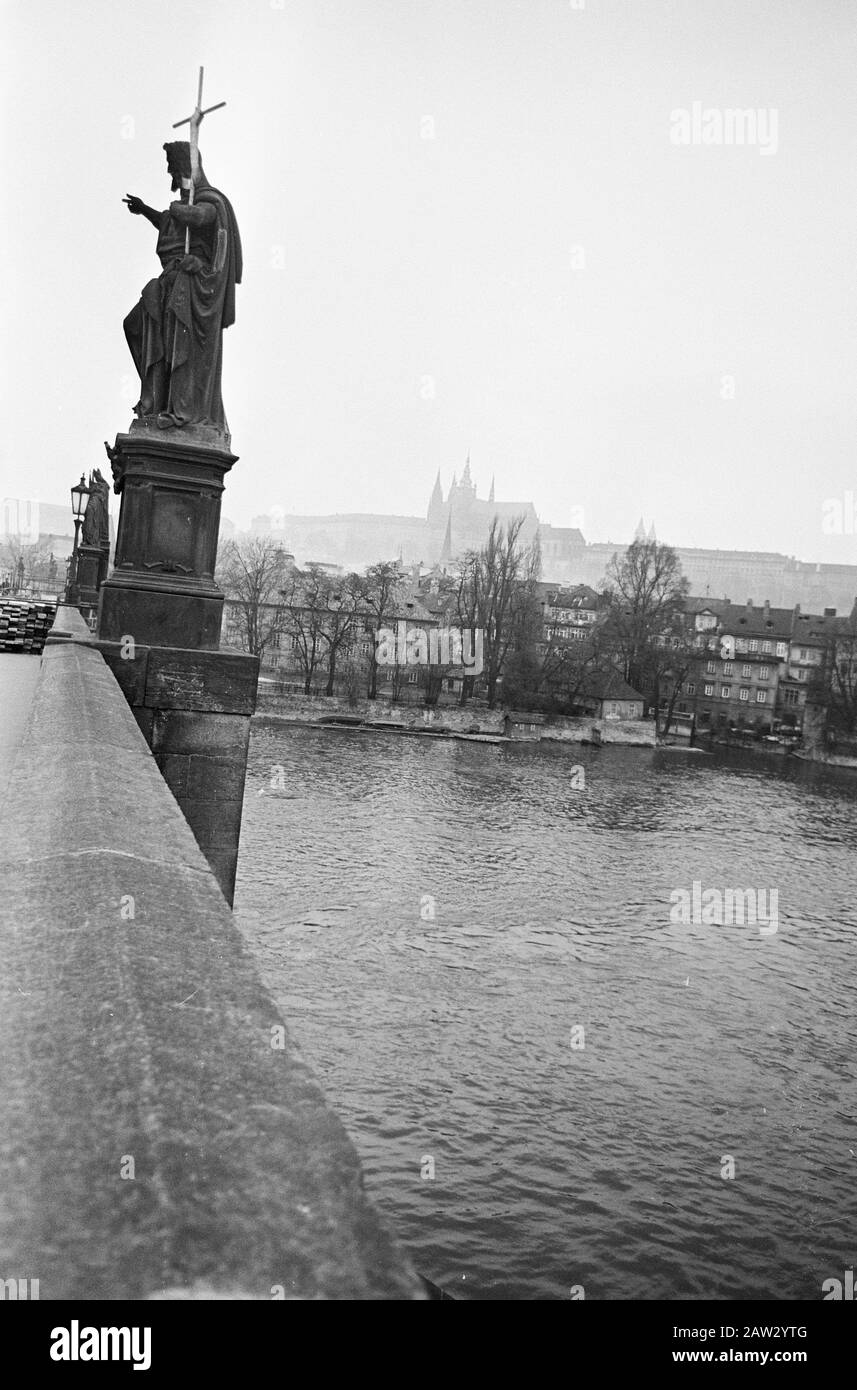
(153, 1141)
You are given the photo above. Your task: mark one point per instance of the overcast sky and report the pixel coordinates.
(465, 226)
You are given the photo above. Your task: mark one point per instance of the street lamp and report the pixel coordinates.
(79, 498)
(79, 495)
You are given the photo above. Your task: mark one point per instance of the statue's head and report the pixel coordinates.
(178, 162)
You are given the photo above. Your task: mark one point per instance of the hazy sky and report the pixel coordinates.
(465, 226)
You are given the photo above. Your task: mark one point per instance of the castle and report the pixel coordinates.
(459, 522)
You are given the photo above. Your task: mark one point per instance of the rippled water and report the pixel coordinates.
(451, 1038)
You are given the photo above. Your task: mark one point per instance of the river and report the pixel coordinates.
(554, 1088)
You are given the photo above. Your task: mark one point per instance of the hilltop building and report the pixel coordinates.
(458, 520)
(454, 523)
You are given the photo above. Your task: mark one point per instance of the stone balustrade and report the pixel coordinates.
(160, 1135)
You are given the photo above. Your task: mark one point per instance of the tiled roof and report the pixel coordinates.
(576, 596)
(610, 685)
(705, 605)
(739, 620)
(811, 627)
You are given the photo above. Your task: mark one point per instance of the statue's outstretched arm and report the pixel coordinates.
(141, 209)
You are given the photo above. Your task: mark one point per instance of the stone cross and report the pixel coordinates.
(195, 121)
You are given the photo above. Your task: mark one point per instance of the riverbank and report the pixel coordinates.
(476, 723)
(810, 755)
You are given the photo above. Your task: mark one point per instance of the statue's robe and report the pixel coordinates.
(176, 332)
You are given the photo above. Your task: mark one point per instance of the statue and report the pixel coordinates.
(96, 518)
(175, 332)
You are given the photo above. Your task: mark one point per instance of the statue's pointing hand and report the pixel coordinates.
(192, 265)
(135, 204)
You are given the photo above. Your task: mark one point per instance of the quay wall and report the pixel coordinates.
(314, 709)
(634, 732)
(309, 709)
(160, 1134)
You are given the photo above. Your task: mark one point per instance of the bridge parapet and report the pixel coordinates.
(160, 1135)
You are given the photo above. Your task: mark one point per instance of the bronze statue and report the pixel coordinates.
(175, 332)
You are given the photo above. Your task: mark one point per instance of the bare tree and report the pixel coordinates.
(381, 585)
(581, 666)
(304, 600)
(645, 594)
(252, 574)
(345, 609)
(834, 682)
(674, 661)
(495, 586)
(321, 613)
(353, 672)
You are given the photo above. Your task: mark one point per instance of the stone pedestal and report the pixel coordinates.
(162, 590)
(159, 630)
(92, 563)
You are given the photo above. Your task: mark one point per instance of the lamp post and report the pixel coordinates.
(79, 497)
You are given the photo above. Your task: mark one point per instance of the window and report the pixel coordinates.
(711, 668)
(412, 677)
(764, 672)
(791, 697)
(741, 644)
(727, 668)
(767, 648)
(725, 692)
(746, 669)
(802, 654)
(761, 697)
(743, 693)
(801, 674)
(753, 645)
(782, 649)
(690, 688)
(709, 689)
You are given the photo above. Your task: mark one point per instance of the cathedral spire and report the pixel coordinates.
(491, 493)
(435, 506)
(446, 550)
